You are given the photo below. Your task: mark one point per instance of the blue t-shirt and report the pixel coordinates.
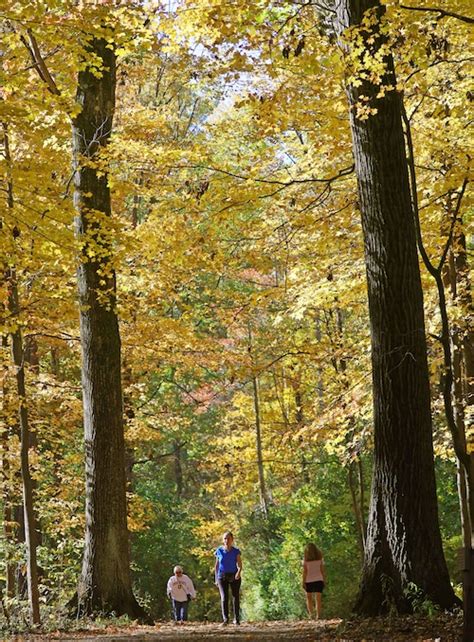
(227, 560)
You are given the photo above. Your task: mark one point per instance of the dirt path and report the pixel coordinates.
(442, 628)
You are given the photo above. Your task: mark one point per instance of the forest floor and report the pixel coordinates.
(439, 628)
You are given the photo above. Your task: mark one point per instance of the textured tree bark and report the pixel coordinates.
(403, 544)
(105, 583)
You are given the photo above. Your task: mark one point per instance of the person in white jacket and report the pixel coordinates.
(180, 590)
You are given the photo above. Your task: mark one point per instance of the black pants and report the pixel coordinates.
(234, 585)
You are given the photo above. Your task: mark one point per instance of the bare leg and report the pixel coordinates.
(309, 604)
(318, 605)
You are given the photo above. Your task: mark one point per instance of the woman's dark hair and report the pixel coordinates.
(312, 552)
(228, 534)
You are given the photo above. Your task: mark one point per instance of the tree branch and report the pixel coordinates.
(453, 223)
(39, 63)
(442, 13)
(294, 181)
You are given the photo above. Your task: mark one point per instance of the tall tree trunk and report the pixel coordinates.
(355, 470)
(27, 484)
(55, 362)
(8, 529)
(299, 419)
(458, 381)
(466, 481)
(9, 534)
(7, 482)
(18, 359)
(258, 432)
(21, 582)
(360, 468)
(456, 428)
(403, 538)
(319, 370)
(258, 444)
(178, 467)
(456, 279)
(105, 584)
(353, 481)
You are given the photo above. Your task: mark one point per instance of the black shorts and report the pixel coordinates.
(314, 587)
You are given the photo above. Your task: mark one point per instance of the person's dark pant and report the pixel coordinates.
(234, 585)
(180, 611)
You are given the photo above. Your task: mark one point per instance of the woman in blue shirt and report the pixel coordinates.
(228, 570)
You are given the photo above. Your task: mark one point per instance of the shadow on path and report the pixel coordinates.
(437, 628)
